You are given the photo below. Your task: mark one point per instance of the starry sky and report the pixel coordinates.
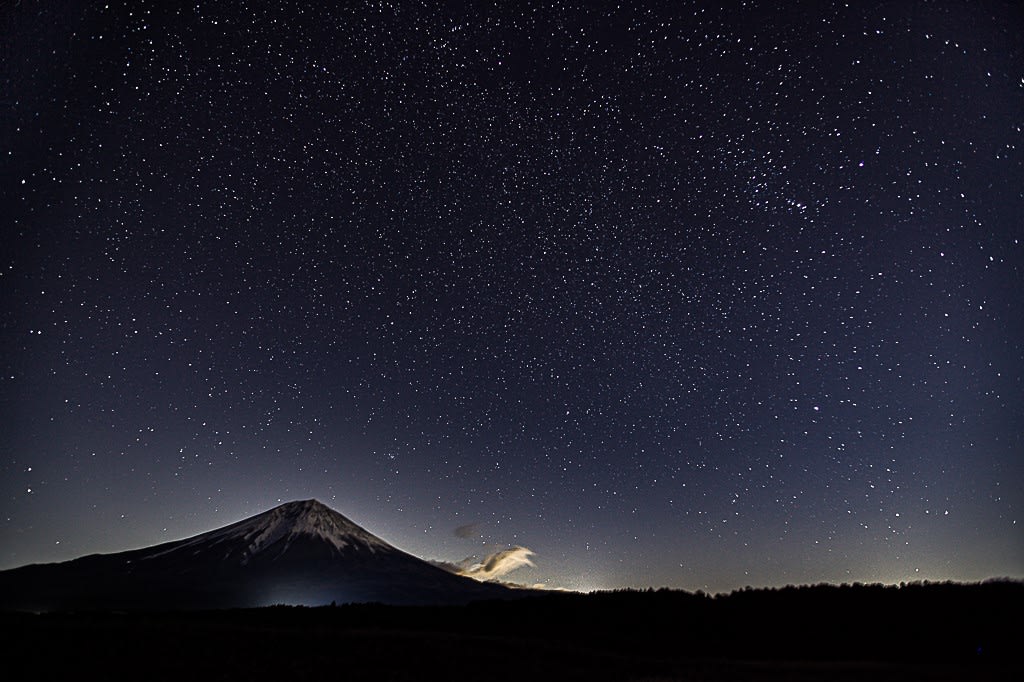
(672, 294)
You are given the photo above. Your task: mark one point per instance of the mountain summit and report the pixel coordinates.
(300, 552)
(273, 533)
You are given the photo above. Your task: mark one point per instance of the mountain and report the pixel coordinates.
(298, 553)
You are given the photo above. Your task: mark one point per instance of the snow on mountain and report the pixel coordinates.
(278, 529)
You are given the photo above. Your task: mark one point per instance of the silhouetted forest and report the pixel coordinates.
(937, 631)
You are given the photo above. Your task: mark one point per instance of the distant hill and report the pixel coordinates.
(301, 553)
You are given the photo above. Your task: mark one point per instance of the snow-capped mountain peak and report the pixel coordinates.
(312, 518)
(280, 527)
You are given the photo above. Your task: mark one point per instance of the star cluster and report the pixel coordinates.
(670, 293)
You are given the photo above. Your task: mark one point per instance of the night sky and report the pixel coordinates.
(667, 293)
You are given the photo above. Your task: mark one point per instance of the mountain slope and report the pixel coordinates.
(298, 553)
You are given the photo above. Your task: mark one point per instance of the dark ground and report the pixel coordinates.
(917, 632)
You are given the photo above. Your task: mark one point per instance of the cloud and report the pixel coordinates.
(446, 565)
(499, 564)
(470, 530)
(493, 566)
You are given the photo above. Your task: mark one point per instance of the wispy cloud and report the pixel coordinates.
(470, 530)
(493, 566)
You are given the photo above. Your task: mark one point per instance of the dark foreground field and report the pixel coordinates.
(917, 632)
